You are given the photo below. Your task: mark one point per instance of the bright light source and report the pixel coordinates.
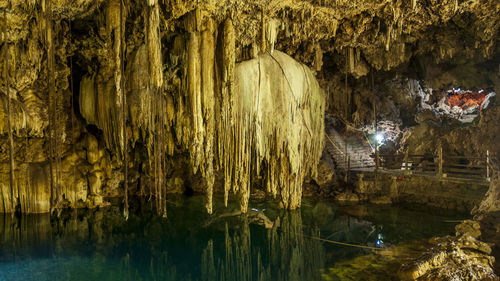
(379, 137)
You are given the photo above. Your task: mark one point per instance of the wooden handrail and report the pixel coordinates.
(333, 143)
(474, 165)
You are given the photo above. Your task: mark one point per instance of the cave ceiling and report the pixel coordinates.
(377, 34)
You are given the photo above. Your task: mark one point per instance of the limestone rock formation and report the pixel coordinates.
(491, 202)
(453, 258)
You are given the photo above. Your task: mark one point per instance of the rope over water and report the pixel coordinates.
(343, 244)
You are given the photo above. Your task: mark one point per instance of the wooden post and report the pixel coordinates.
(377, 159)
(406, 159)
(346, 111)
(346, 159)
(487, 165)
(348, 164)
(373, 104)
(345, 152)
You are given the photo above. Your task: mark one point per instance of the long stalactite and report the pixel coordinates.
(157, 101)
(122, 96)
(49, 41)
(9, 114)
(226, 69)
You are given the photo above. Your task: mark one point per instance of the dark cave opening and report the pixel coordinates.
(77, 73)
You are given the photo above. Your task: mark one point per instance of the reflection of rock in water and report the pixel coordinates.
(289, 255)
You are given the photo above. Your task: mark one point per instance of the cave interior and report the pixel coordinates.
(184, 126)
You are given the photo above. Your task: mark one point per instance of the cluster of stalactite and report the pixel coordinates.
(22, 198)
(259, 118)
(268, 123)
(262, 118)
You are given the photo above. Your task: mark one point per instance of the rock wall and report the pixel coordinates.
(491, 200)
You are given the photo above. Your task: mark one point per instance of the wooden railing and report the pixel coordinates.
(479, 166)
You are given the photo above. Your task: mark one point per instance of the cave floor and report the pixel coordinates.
(266, 244)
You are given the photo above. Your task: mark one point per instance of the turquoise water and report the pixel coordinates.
(190, 245)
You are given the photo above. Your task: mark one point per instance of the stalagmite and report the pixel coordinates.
(9, 114)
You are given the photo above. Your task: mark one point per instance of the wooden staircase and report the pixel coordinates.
(350, 151)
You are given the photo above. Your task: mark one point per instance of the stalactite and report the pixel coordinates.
(208, 105)
(351, 59)
(271, 32)
(318, 57)
(388, 38)
(158, 105)
(413, 4)
(194, 92)
(73, 125)
(263, 47)
(163, 156)
(121, 93)
(227, 80)
(9, 114)
(156, 154)
(154, 44)
(51, 85)
(27, 183)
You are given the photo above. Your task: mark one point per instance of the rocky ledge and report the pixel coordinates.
(460, 257)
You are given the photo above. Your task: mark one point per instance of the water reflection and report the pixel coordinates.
(190, 245)
(285, 254)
